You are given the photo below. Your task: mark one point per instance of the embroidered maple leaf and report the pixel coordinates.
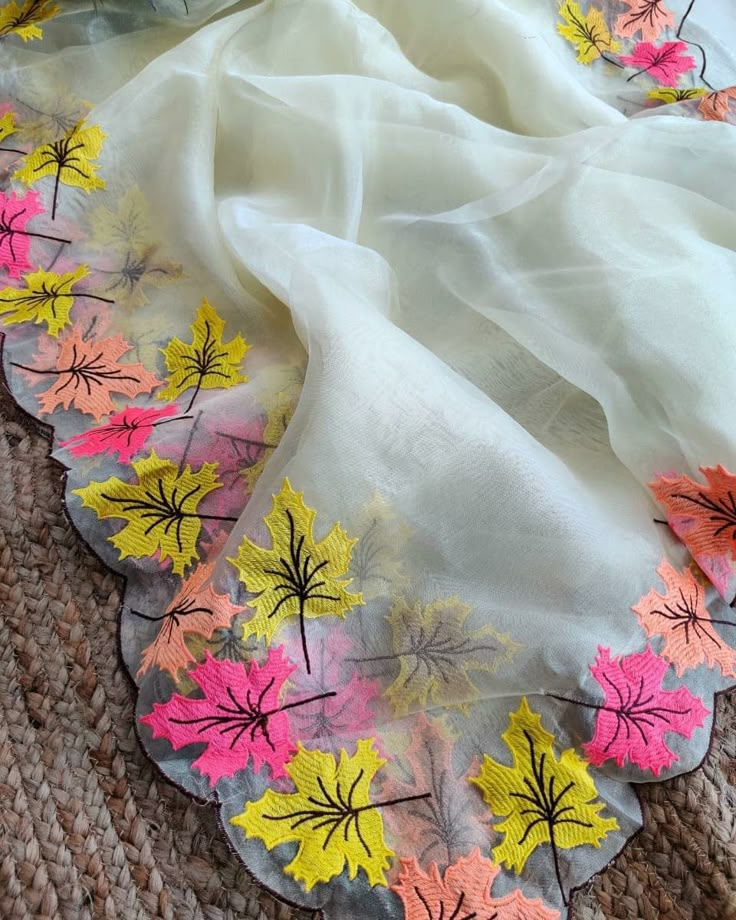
(132, 272)
(650, 17)
(160, 510)
(15, 237)
(376, 567)
(68, 160)
(588, 32)
(196, 608)
(125, 434)
(242, 446)
(663, 62)
(298, 576)
(638, 712)
(331, 721)
(53, 110)
(716, 106)
(450, 823)
(7, 127)
(126, 227)
(681, 618)
(88, 372)
(670, 94)
(331, 816)
(543, 799)
(46, 298)
(256, 451)
(704, 518)
(239, 717)
(208, 362)
(463, 893)
(437, 654)
(22, 19)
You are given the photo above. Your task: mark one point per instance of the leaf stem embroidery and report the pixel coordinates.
(694, 44)
(298, 581)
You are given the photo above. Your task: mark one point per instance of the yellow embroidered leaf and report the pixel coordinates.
(128, 226)
(298, 576)
(437, 654)
(330, 816)
(46, 298)
(7, 124)
(543, 800)
(277, 421)
(377, 566)
(207, 363)
(68, 160)
(22, 19)
(588, 32)
(160, 510)
(670, 94)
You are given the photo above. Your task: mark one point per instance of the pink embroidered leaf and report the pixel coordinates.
(650, 17)
(664, 62)
(196, 609)
(716, 106)
(240, 718)
(704, 518)
(463, 892)
(638, 712)
(680, 616)
(450, 822)
(125, 434)
(15, 237)
(87, 373)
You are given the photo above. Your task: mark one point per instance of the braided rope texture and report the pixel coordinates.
(89, 830)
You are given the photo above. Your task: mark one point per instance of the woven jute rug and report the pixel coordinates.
(88, 828)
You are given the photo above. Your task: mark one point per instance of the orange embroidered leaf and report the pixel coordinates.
(196, 608)
(681, 618)
(88, 373)
(717, 106)
(650, 17)
(704, 518)
(463, 892)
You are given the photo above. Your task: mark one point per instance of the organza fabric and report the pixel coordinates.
(476, 296)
